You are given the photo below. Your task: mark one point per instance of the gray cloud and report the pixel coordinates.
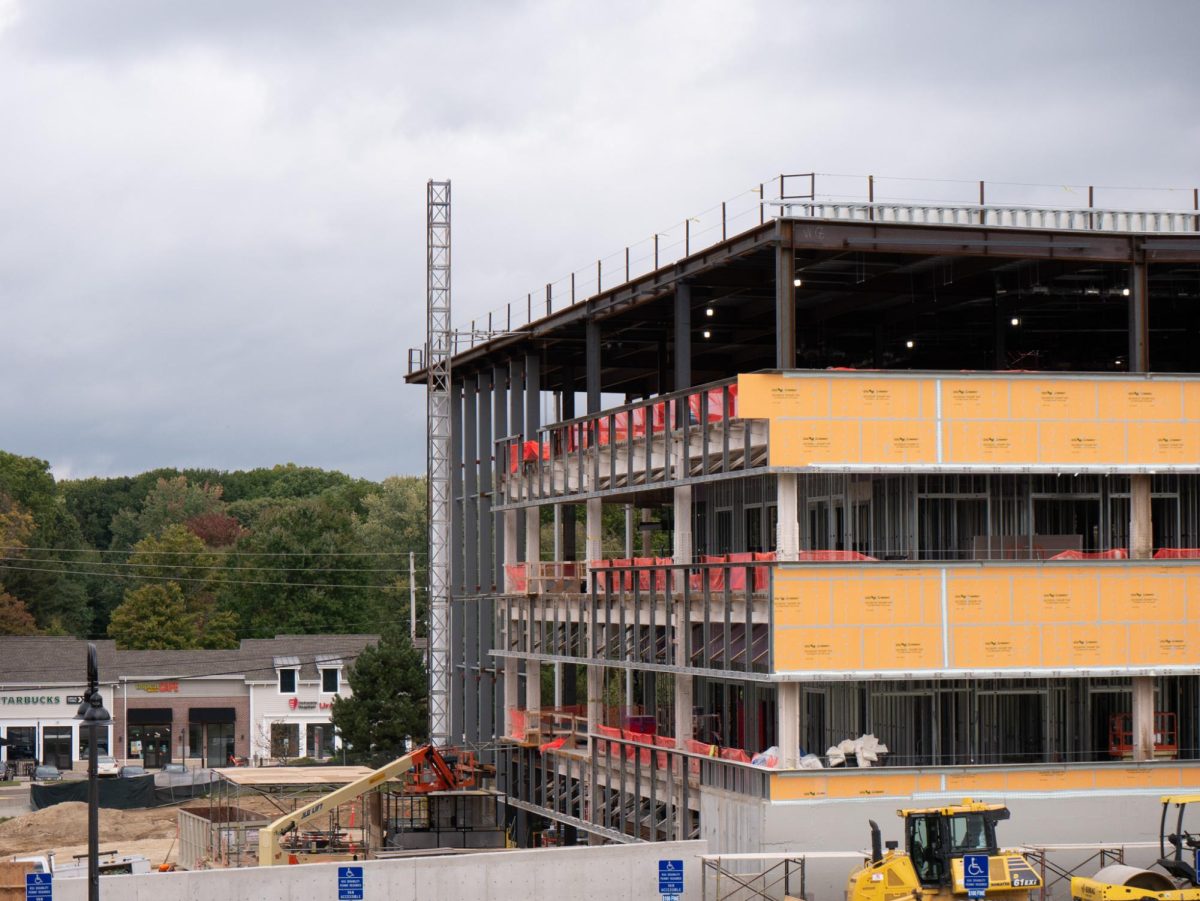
(211, 214)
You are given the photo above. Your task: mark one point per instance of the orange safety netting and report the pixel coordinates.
(1117, 553)
(1177, 553)
(835, 557)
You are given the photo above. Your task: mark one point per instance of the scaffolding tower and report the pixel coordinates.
(437, 360)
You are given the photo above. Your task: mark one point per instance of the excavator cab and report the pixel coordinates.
(931, 865)
(1183, 860)
(936, 836)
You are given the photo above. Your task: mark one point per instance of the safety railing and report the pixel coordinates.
(1056, 218)
(670, 438)
(713, 616)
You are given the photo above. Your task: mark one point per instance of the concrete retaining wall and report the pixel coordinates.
(613, 872)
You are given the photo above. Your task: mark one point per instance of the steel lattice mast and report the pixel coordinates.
(437, 362)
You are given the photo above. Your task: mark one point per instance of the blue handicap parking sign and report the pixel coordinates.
(39, 887)
(976, 874)
(350, 884)
(670, 877)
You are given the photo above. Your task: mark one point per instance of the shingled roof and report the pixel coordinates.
(41, 659)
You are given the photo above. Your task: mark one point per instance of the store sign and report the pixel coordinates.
(157, 687)
(31, 699)
(297, 704)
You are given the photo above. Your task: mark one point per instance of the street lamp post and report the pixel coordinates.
(93, 714)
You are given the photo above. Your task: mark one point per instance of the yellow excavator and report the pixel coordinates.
(936, 839)
(931, 864)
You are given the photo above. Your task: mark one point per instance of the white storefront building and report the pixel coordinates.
(39, 724)
(291, 708)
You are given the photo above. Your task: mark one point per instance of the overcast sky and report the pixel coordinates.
(212, 217)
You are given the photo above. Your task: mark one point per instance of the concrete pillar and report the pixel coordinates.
(1143, 717)
(684, 702)
(533, 541)
(787, 714)
(1139, 318)
(1141, 529)
(533, 685)
(630, 528)
(682, 546)
(645, 517)
(785, 307)
(510, 546)
(787, 540)
(594, 527)
(558, 685)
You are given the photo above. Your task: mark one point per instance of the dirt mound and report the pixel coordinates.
(66, 824)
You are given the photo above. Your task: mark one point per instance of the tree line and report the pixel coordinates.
(199, 558)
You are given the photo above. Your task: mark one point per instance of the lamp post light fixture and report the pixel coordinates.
(93, 714)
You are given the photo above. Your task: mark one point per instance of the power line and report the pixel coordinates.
(89, 550)
(214, 566)
(145, 578)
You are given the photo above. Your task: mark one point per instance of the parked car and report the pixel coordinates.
(106, 766)
(131, 771)
(174, 768)
(46, 773)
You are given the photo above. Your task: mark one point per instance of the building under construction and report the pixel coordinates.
(923, 471)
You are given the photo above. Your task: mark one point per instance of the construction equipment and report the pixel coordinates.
(1122, 883)
(931, 864)
(426, 758)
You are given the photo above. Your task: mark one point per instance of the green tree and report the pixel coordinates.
(172, 501)
(50, 578)
(298, 570)
(395, 522)
(157, 617)
(390, 700)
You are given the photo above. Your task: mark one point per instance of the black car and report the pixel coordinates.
(46, 773)
(131, 771)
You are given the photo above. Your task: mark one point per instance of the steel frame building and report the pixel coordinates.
(813, 490)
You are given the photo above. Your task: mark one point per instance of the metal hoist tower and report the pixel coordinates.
(438, 352)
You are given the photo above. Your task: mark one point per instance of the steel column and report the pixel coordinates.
(785, 307)
(592, 364)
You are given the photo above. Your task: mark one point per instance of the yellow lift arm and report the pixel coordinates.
(270, 852)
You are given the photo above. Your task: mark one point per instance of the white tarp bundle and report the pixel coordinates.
(867, 750)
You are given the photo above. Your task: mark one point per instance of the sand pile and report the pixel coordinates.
(65, 825)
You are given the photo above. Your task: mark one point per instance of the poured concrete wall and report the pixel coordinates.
(1115, 820)
(613, 872)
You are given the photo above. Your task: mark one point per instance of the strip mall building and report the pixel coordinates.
(269, 699)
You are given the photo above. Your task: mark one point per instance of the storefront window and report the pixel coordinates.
(319, 740)
(101, 741)
(22, 742)
(285, 739)
(56, 746)
(220, 744)
(151, 744)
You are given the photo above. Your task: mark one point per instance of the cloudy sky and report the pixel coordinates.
(212, 213)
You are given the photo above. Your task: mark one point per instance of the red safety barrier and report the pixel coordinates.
(737, 755)
(1117, 553)
(835, 557)
(603, 579)
(1177, 553)
(643, 755)
(762, 574)
(623, 579)
(737, 575)
(518, 577)
(663, 741)
(527, 452)
(702, 748)
(518, 724)
(607, 732)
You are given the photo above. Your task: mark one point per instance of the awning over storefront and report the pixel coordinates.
(143, 715)
(212, 715)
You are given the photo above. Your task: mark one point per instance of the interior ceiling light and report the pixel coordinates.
(797, 282)
(707, 333)
(708, 311)
(910, 344)
(1091, 292)
(1015, 320)
(1124, 292)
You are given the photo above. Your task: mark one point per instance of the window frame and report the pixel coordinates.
(337, 679)
(295, 671)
